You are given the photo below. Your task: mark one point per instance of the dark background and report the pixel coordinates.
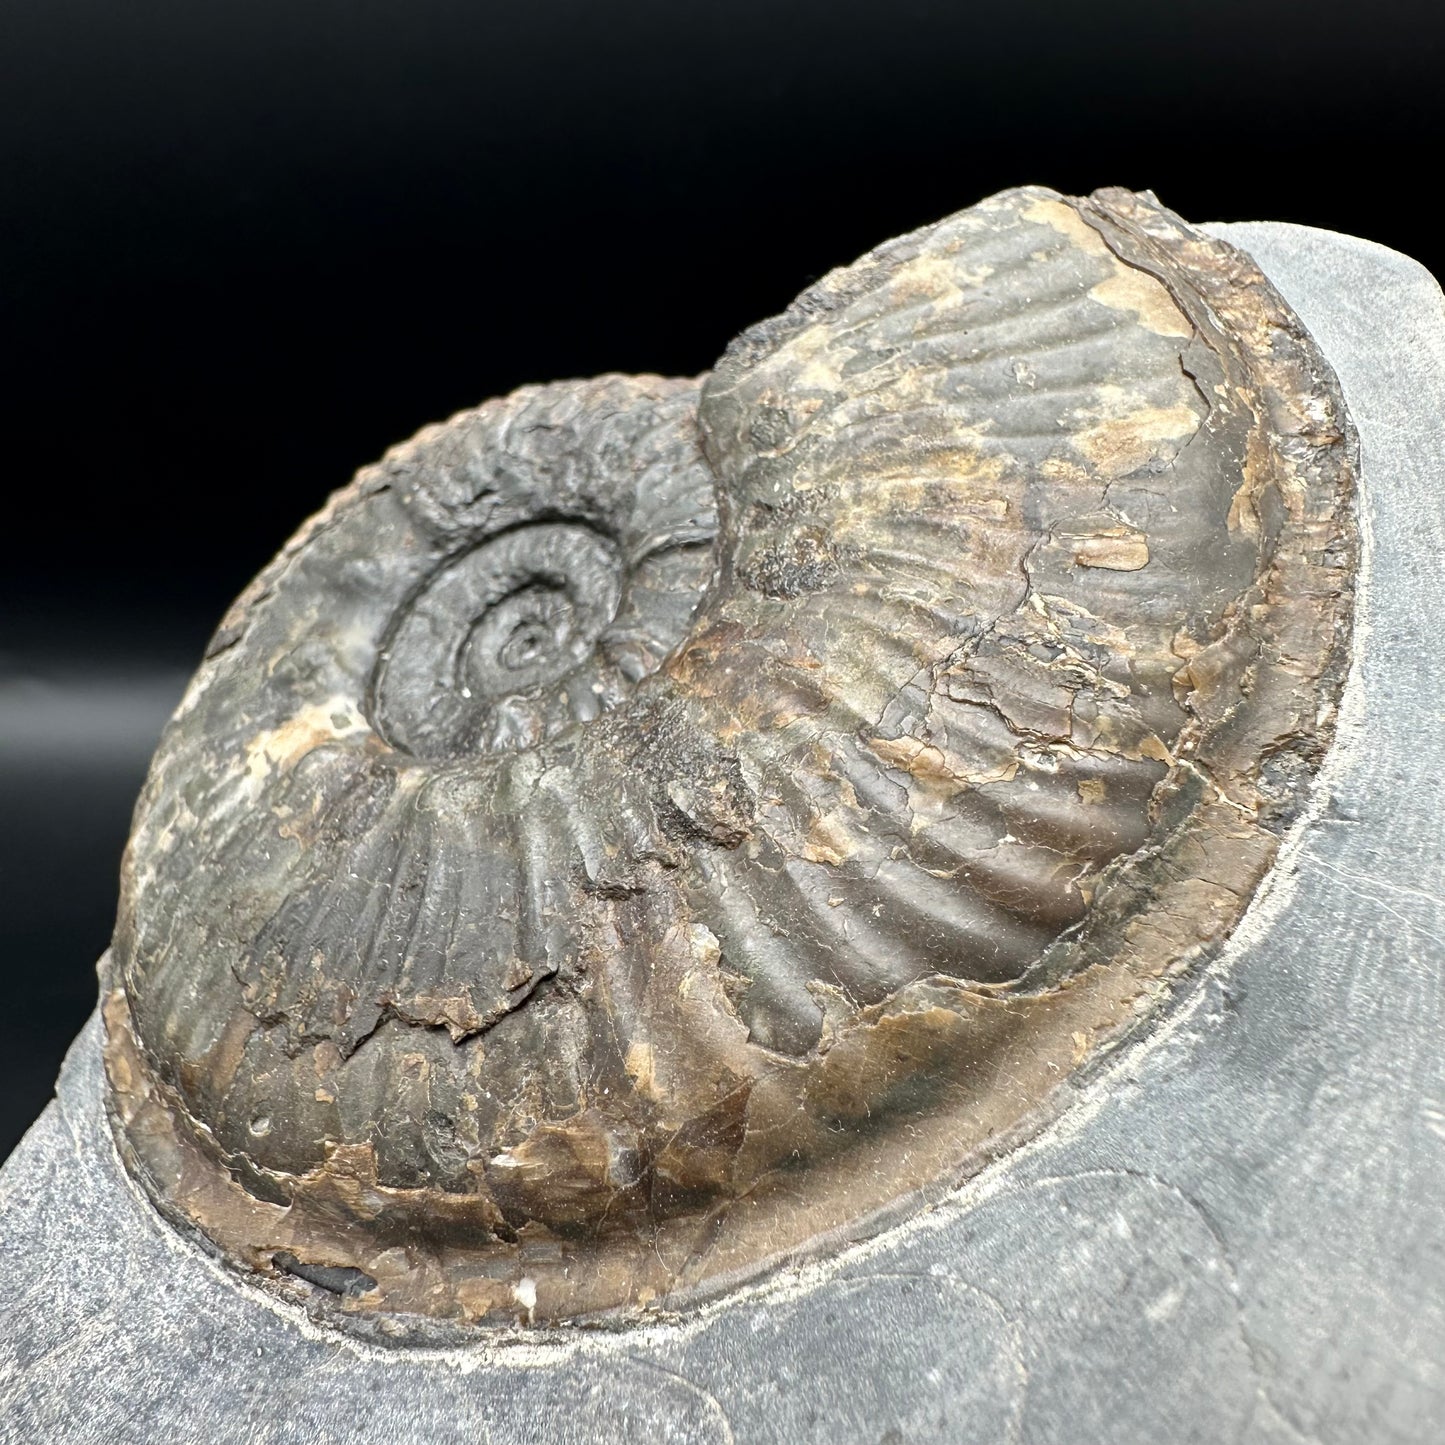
(245, 245)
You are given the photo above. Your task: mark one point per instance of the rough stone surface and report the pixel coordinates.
(1233, 1233)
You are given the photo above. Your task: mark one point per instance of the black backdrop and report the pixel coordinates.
(246, 244)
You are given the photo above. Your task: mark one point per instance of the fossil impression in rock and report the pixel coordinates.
(643, 828)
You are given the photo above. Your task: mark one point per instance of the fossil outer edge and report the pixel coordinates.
(902, 710)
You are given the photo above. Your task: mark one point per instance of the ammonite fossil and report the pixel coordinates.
(643, 828)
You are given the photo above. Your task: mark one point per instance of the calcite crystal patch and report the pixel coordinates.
(643, 829)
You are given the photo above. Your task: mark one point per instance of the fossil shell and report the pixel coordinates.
(642, 828)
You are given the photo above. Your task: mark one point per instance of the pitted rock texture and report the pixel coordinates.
(643, 828)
